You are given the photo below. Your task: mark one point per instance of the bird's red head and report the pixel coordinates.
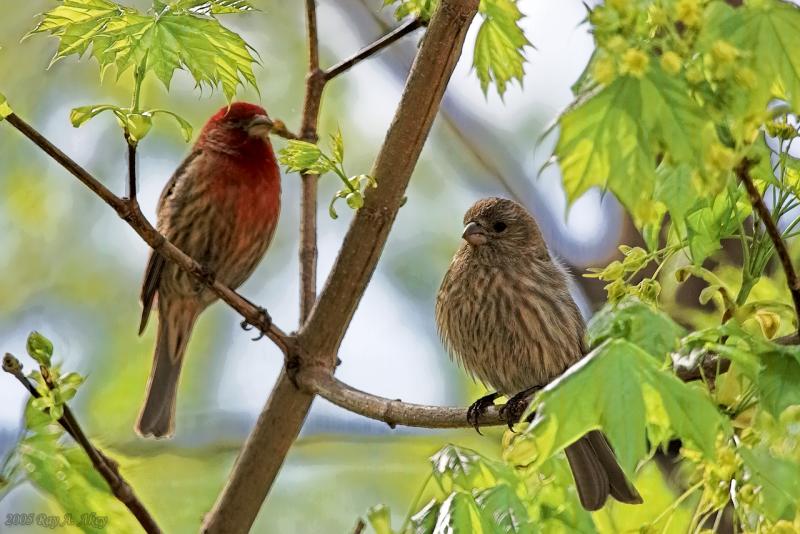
(240, 128)
(237, 112)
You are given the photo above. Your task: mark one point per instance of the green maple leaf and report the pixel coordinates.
(460, 512)
(641, 324)
(769, 34)
(778, 379)
(777, 478)
(206, 7)
(499, 48)
(613, 136)
(673, 117)
(621, 389)
(173, 35)
(715, 220)
(600, 144)
(499, 55)
(676, 190)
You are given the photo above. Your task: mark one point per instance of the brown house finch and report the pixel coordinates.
(220, 207)
(504, 312)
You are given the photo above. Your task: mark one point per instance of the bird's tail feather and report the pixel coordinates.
(157, 417)
(597, 473)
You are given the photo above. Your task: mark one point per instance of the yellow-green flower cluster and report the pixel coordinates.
(633, 34)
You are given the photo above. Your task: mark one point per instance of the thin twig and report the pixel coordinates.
(131, 213)
(710, 365)
(131, 197)
(313, 39)
(315, 84)
(743, 173)
(369, 50)
(108, 468)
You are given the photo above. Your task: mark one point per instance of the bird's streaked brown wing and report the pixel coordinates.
(152, 275)
(155, 265)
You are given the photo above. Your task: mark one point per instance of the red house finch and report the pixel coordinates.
(504, 312)
(220, 207)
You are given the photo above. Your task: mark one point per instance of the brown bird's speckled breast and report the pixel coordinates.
(504, 319)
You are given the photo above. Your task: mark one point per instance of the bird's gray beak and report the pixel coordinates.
(259, 126)
(474, 234)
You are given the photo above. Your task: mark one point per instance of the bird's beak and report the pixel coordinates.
(474, 234)
(259, 126)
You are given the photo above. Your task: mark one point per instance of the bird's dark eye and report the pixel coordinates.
(499, 227)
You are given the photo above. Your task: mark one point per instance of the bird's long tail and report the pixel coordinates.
(175, 323)
(597, 473)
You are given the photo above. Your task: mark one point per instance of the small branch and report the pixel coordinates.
(315, 84)
(743, 173)
(710, 365)
(392, 412)
(131, 169)
(313, 39)
(104, 465)
(396, 412)
(131, 213)
(374, 48)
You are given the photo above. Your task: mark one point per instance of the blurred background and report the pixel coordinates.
(71, 269)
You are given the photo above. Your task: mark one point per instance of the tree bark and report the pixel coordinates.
(318, 342)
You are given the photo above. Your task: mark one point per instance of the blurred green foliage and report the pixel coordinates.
(674, 98)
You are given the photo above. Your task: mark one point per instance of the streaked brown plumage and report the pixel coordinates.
(221, 208)
(504, 312)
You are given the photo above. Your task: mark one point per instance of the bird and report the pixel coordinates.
(220, 207)
(504, 312)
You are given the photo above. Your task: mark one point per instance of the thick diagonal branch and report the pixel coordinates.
(104, 465)
(743, 174)
(130, 212)
(286, 409)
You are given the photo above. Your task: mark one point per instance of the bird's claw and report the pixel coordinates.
(265, 319)
(512, 410)
(478, 408)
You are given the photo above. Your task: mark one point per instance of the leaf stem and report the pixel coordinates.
(672, 507)
(342, 176)
(138, 78)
